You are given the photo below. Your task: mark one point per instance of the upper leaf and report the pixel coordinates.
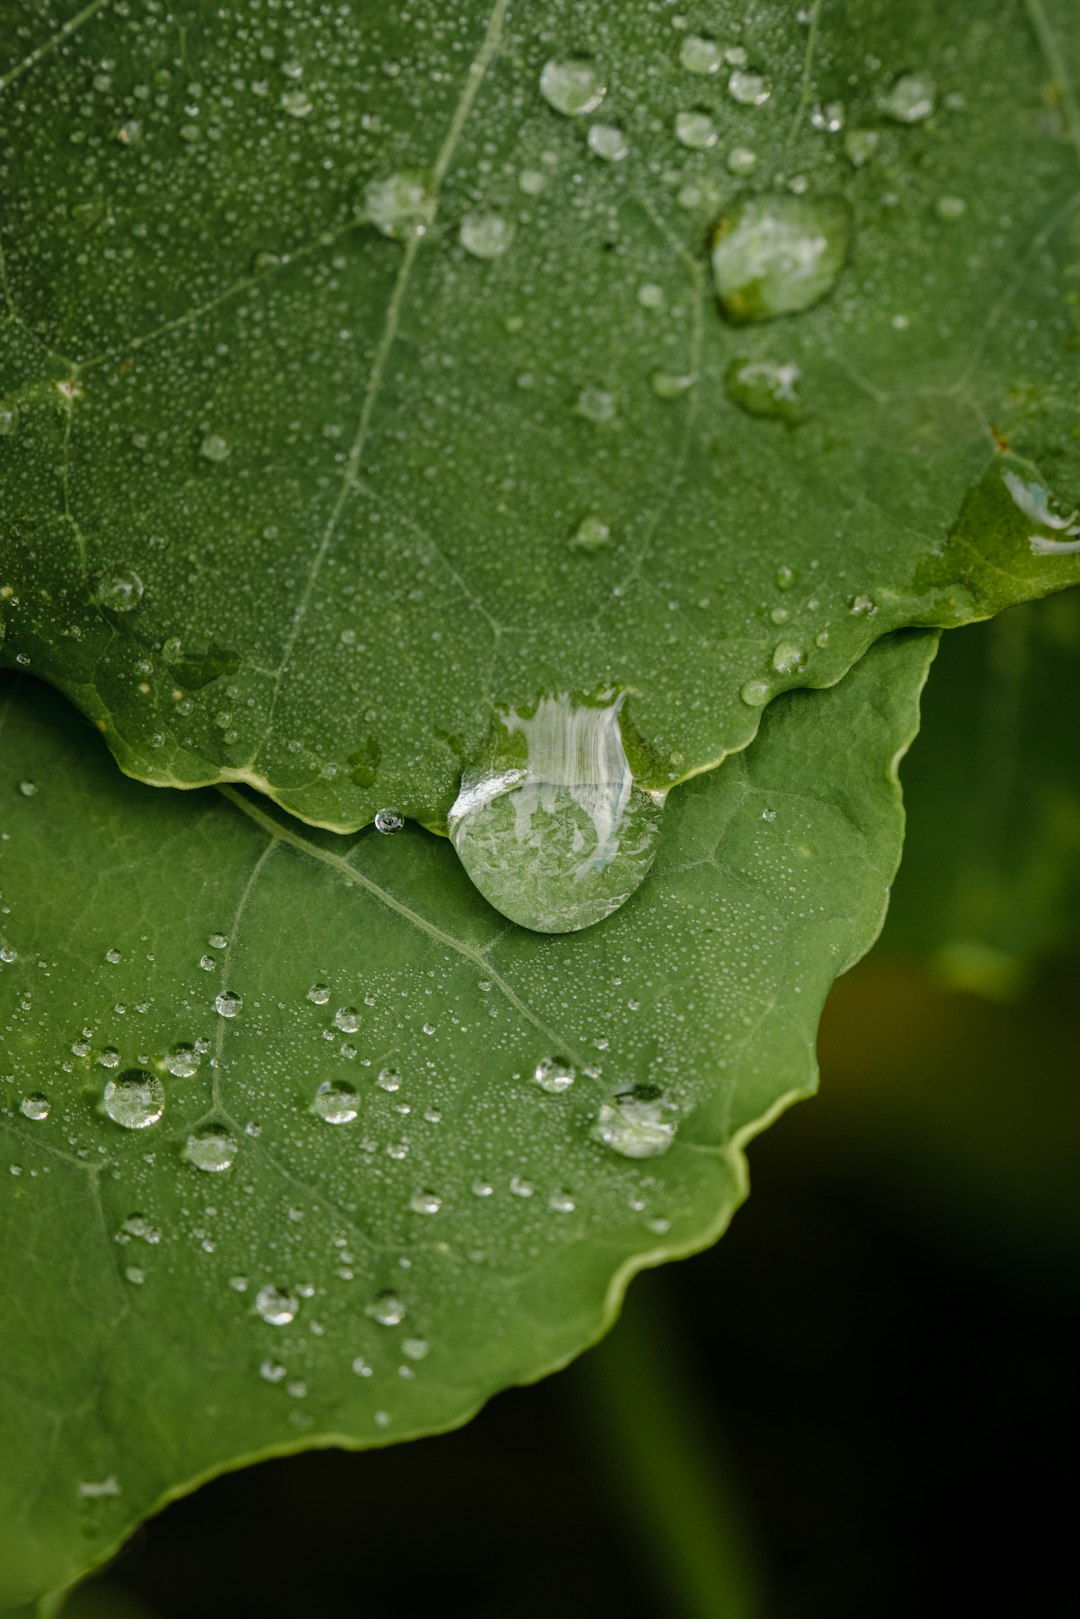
(368, 368)
(308, 1146)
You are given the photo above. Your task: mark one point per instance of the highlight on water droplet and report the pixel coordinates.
(550, 824)
(763, 388)
(636, 1123)
(136, 1099)
(401, 205)
(777, 255)
(574, 86)
(335, 1102)
(211, 1149)
(485, 236)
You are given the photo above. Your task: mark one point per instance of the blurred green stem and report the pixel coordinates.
(650, 1428)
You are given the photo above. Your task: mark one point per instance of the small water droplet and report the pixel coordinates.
(778, 255)
(272, 1371)
(950, 208)
(415, 1348)
(574, 86)
(34, 1106)
(756, 693)
(28, 788)
(425, 1203)
(591, 534)
(229, 1003)
(650, 295)
(608, 142)
(748, 89)
(135, 1100)
(347, 1019)
(183, 1062)
(118, 592)
(319, 994)
(485, 236)
(550, 825)
(335, 1102)
(137, 1225)
(387, 1309)
(785, 578)
(561, 1203)
(276, 1306)
(672, 384)
(208, 964)
(865, 606)
(700, 55)
(741, 160)
(637, 1123)
(762, 388)
(388, 821)
(401, 205)
(212, 1149)
(596, 405)
(552, 1075)
(695, 130)
(787, 657)
(909, 99)
(215, 448)
(296, 102)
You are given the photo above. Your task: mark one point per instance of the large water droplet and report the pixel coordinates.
(574, 86)
(637, 1123)
(211, 1148)
(550, 825)
(229, 1003)
(402, 205)
(552, 1075)
(135, 1100)
(778, 255)
(34, 1106)
(336, 1103)
(749, 89)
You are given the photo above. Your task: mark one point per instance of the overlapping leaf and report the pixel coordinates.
(290, 500)
(470, 1226)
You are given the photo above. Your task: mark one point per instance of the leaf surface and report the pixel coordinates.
(364, 1281)
(290, 500)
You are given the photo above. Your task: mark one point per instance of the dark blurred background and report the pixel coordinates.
(863, 1401)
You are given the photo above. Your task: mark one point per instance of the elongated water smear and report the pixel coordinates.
(550, 825)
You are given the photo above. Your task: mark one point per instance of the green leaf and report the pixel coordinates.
(990, 883)
(365, 372)
(469, 1228)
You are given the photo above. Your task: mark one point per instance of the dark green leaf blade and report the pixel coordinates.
(146, 1343)
(291, 501)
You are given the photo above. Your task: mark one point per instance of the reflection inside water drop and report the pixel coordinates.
(551, 826)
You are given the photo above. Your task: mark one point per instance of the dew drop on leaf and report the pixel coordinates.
(211, 1149)
(909, 99)
(550, 825)
(637, 1123)
(228, 1003)
(485, 236)
(336, 1103)
(401, 205)
(118, 592)
(425, 1203)
(552, 1075)
(607, 141)
(762, 388)
(574, 86)
(34, 1106)
(700, 55)
(135, 1100)
(695, 130)
(388, 821)
(275, 1306)
(387, 1309)
(749, 89)
(779, 255)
